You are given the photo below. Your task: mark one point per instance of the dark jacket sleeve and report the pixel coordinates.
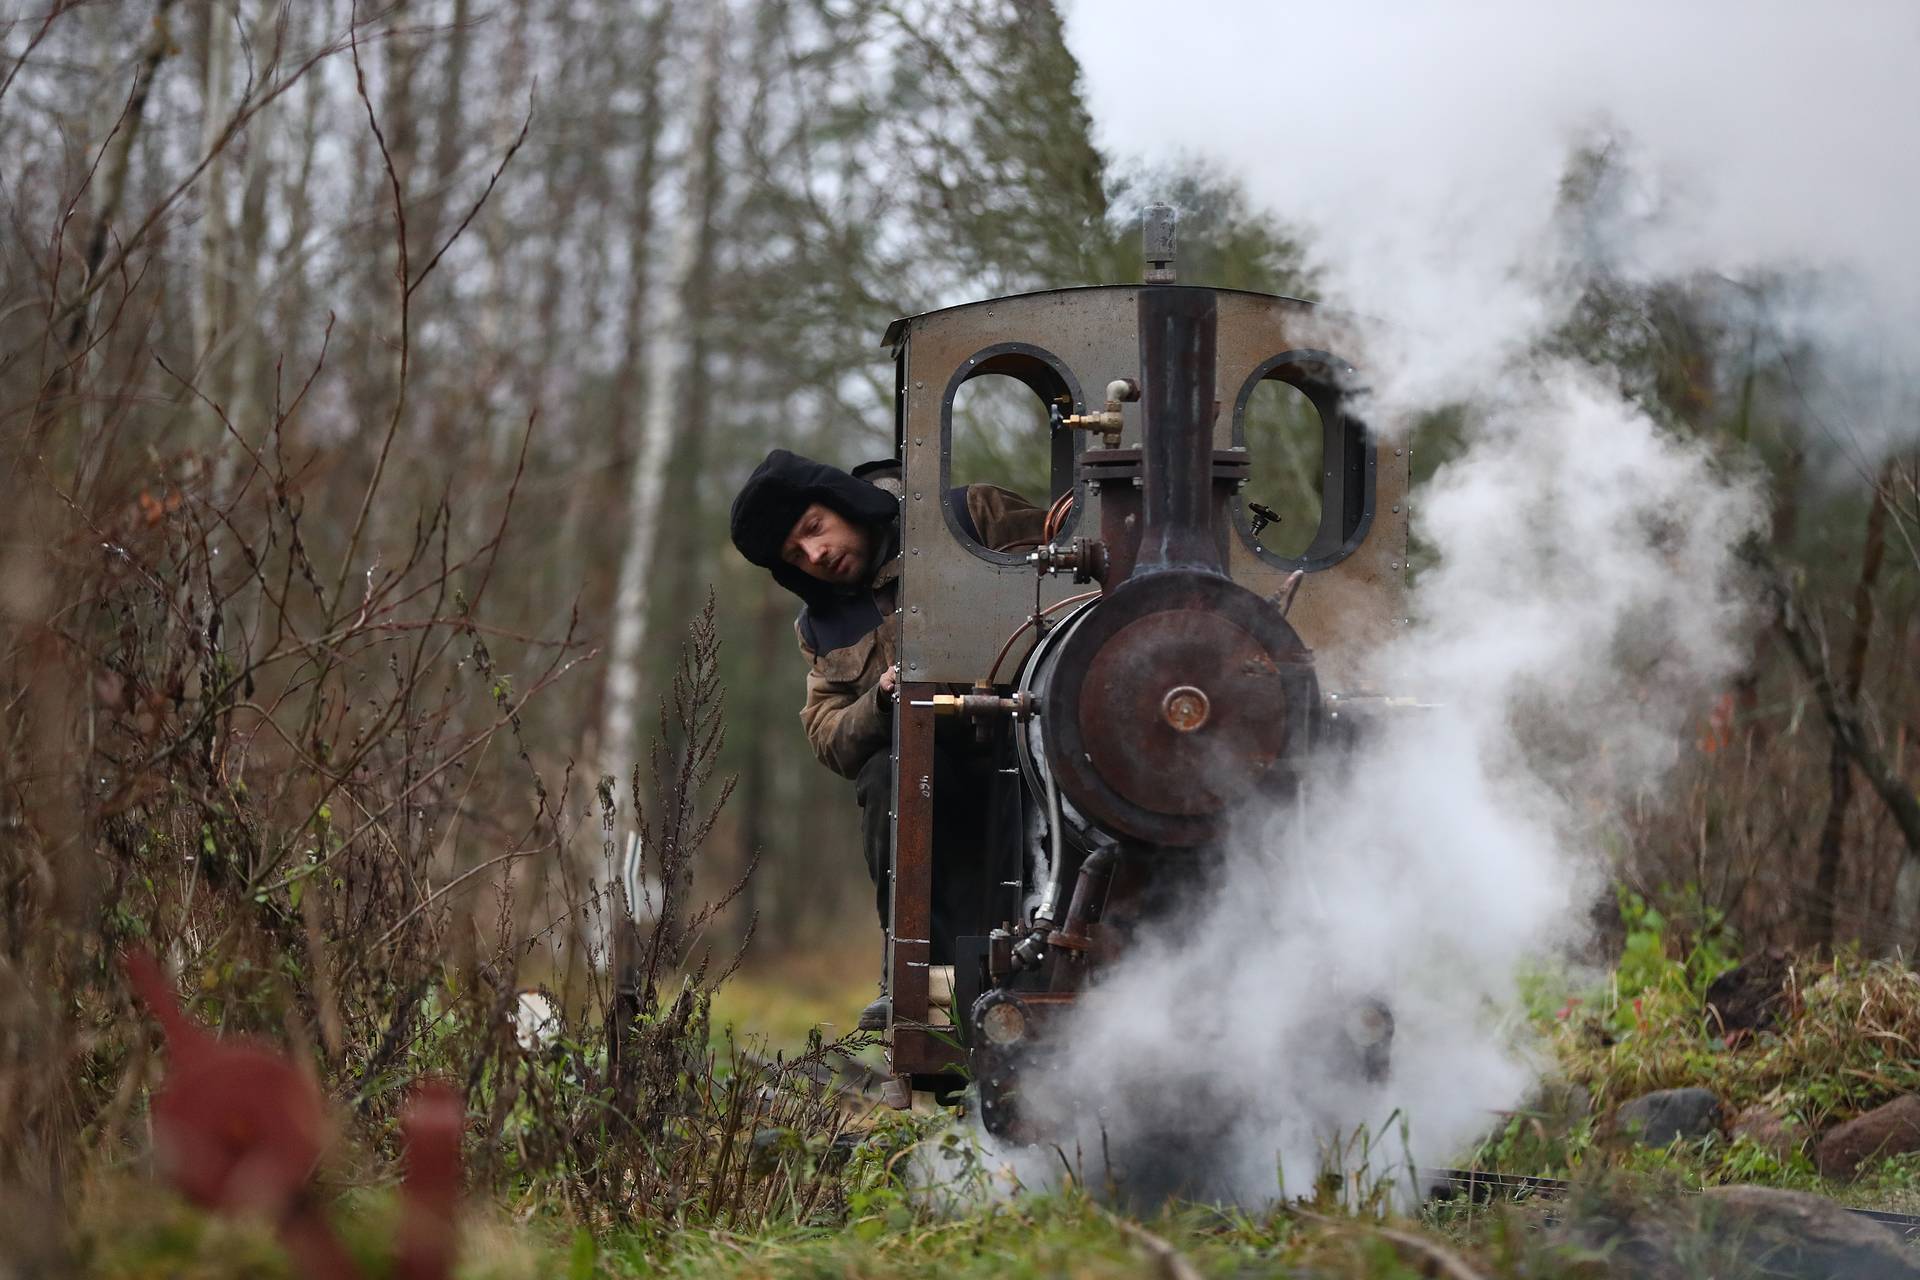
(845, 717)
(1003, 517)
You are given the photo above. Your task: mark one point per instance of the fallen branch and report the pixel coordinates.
(1440, 1260)
(1167, 1260)
(1843, 717)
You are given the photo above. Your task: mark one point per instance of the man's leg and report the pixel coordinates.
(873, 789)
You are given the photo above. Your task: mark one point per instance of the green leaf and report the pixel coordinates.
(580, 1261)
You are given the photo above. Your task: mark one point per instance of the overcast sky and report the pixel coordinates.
(1781, 130)
(1422, 147)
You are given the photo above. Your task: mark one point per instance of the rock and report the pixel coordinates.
(1559, 1106)
(1656, 1119)
(768, 1148)
(1750, 996)
(1883, 1131)
(1779, 1135)
(772, 1147)
(1794, 1233)
(1737, 1231)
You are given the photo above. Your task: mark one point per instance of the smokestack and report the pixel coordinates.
(1156, 238)
(1177, 331)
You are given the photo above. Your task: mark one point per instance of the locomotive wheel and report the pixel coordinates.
(1177, 698)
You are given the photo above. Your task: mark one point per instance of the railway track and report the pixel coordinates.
(1483, 1187)
(855, 1087)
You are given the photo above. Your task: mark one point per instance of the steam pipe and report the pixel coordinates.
(1056, 870)
(1032, 949)
(1089, 898)
(1177, 332)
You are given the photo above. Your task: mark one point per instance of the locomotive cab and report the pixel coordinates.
(1149, 668)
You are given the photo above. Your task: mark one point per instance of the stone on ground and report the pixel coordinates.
(1656, 1119)
(1737, 1231)
(1751, 995)
(1891, 1130)
(1775, 1132)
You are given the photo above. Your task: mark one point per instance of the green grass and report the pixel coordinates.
(1844, 1044)
(135, 1233)
(780, 1002)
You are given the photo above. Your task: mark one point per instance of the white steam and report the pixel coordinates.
(1586, 600)
(1423, 149)
(1588, 596)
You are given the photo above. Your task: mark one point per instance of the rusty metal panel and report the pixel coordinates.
(917, 1051)
(960, 604)
(909, 946)
(1347, 609)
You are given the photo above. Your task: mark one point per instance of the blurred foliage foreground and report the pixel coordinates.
(820, 1188)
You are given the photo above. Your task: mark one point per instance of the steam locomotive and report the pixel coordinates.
(1148, 670)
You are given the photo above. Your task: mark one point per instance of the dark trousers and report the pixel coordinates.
(961, 823)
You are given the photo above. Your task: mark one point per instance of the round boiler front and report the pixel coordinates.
(1174, 700)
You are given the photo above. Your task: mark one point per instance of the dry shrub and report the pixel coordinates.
(1847, 1040)
(280, 780)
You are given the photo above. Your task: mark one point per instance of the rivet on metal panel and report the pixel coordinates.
(916, 497)
(916, 608)
(1396, 453)
(1396, 507)
(917, 442)
(918, 385)
(916, 550)
(913, 666)
(1394, 565)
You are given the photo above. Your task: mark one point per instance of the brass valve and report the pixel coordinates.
(1109, 422)
(1019, 705)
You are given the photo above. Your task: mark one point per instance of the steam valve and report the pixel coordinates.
(1262, 517)
(1086, 558)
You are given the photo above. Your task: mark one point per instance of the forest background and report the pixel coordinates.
(375, 383)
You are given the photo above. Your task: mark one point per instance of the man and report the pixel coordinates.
(833, 539)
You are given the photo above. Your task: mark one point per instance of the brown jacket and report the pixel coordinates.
(846, 718)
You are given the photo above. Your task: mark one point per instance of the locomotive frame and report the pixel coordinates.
(961, 605)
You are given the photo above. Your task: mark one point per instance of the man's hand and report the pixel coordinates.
(889, 681)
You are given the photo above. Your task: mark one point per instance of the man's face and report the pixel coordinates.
(826, 545)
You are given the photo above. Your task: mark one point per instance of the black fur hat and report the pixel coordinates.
(775, 496)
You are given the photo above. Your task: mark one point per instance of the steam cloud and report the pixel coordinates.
(1586, 600)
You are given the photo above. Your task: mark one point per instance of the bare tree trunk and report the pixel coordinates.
(209, 319)
(55, 399)
(757, 786)
(1826, 885)
(669, 354)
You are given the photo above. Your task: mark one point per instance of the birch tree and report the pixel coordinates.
(669, 367)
